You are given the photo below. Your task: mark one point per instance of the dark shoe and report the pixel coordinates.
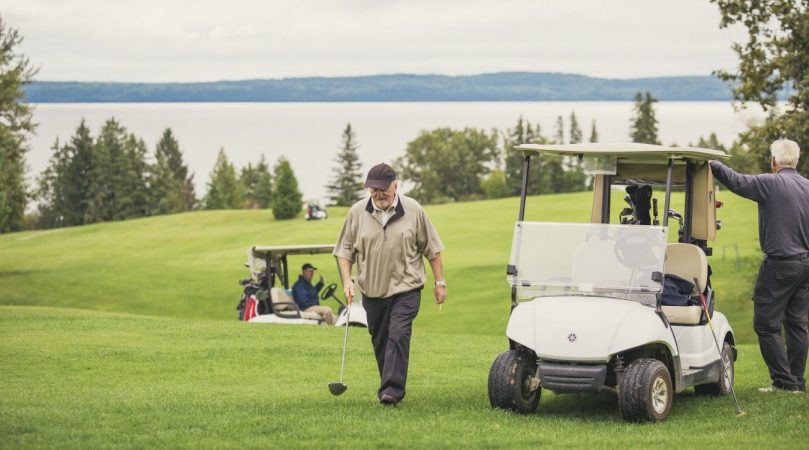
(388, 400)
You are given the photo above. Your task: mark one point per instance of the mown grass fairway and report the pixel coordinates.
(124, 335)
(187, 265)
(85, 379)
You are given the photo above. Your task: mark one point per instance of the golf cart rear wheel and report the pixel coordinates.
(725, 382)
(510, 382)
(646, 392)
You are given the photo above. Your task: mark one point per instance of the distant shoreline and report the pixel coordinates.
(496, 87)
(157, 102)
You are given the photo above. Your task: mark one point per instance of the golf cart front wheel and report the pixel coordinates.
(725, 383)
(510, 382)
(646, 392)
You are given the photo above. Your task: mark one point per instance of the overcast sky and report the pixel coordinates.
(208, 40)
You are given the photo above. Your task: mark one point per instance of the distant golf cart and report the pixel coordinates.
(314, 211)
(266, 297)
(589, 308)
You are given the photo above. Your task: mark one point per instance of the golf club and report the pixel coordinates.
(723, 373)
(338, 387)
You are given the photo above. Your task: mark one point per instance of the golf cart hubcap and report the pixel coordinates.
(728, 371)
(660, 395)
(526, 385)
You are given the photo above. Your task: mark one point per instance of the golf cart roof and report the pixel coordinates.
(260, 251)
(624, 150)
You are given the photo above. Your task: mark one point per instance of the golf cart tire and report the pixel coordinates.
(723, 386)
(509, 380)
(646, 391)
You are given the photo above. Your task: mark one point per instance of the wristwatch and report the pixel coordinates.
(441, 283)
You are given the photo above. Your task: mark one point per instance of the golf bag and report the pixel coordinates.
(251, 303)
(640, 201)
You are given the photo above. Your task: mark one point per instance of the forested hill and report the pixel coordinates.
(507, 86)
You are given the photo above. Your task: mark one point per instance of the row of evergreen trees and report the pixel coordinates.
(107, 178)
(110, 177)
(444, 165)
(256, 187)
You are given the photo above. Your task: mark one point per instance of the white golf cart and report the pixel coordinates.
(589, 308)
(265, 302)
(314, 211)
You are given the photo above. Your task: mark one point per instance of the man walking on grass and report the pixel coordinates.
(387, 236)
(781, 294)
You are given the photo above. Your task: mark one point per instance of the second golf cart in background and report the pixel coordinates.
(588, 309)
(314, 211)
(266, 297)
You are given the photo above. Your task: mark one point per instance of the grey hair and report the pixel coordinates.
(785, 152)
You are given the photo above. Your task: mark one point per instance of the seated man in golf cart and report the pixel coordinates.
(306, 297)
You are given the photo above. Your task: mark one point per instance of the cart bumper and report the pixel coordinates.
(572, 378)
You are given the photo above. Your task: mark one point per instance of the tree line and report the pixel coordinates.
(113, 176)
(110, 176)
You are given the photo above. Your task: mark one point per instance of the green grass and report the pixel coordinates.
(187, 265)
(124, 335)
(80, 379)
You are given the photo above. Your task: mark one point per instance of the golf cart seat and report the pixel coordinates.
(688, 262)
(283, 305)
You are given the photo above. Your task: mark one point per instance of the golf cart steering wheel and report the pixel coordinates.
(637, 251)
(328, 292)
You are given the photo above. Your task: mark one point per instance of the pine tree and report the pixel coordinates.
(50, 189)
(287, 200)
(15, 126)
(553, 165)
(262, 192)
(79, 176)
(248, 178)
(514, 159)
(64, 186)
(644, 124)
(104, 191)
(559, 137)
(257, 184)
(576, 135)
(524, 133)
(346, 185)
(132, 196)
(172, 188)
(593, 132)
(224, 189)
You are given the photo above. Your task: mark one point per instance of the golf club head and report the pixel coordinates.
(337, 388)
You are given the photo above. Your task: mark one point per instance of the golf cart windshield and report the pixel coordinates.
(616, 261)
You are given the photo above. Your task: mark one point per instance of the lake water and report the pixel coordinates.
(309, 134)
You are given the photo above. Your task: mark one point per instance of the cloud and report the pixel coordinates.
(209, 40)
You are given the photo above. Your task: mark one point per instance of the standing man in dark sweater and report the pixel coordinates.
(781, 294)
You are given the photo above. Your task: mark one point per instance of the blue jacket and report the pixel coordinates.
(305, 294)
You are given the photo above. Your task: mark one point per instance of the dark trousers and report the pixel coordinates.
(781, 299)
(390, 322)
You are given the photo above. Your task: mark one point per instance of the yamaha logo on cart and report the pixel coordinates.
(571, 337)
